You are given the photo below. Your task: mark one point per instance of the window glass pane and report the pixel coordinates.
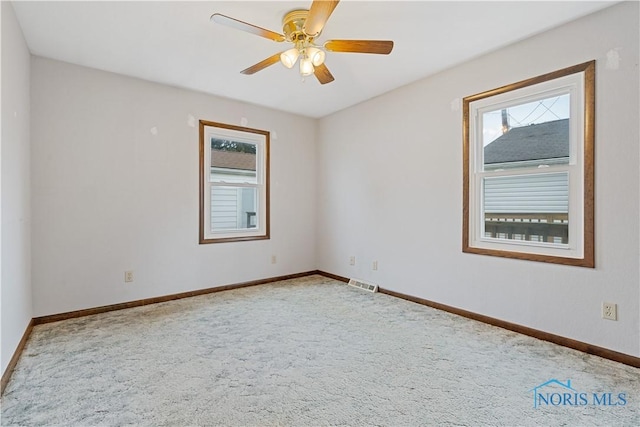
(233, 208)
(233, 161)
(525, 135)
(527, 207)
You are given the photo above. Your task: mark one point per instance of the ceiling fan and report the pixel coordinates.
(301, 28)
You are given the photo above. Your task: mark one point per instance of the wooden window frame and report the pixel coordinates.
(586, 256)
(262, 232)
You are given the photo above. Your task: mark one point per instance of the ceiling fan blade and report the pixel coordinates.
(383, 47)
(319, 13)
(243, 26)
(262, 64)
(323, 74)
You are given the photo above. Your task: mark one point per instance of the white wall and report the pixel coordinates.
(15, 289)
(110, 196)
(390, 189)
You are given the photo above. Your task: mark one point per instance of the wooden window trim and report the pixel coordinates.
(267, 232)
(588, 259)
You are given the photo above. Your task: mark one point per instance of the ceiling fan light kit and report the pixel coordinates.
(289, 57)
(301, 28)
(316, 55)
(306, 67)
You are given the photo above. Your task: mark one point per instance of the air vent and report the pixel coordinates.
(356, 283)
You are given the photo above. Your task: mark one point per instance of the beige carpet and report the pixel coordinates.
(308, 351)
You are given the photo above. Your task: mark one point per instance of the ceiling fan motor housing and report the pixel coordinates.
(293, 24)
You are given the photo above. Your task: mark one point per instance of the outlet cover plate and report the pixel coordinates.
(609, 311)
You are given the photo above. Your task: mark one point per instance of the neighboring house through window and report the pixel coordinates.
(530, 207)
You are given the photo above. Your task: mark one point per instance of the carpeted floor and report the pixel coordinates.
(309, 351)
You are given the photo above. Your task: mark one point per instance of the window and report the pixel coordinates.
(529, 167)
(234, 183)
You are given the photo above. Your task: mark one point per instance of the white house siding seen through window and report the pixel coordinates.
(527, 207)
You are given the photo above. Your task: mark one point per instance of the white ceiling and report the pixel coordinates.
(175, 43)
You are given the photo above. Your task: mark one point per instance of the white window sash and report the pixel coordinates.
(260, 185)
(572, 84)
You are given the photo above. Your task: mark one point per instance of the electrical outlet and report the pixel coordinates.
(609, 311)
(128, 276)
(375, 265)
(274, 259)
(352, 260)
